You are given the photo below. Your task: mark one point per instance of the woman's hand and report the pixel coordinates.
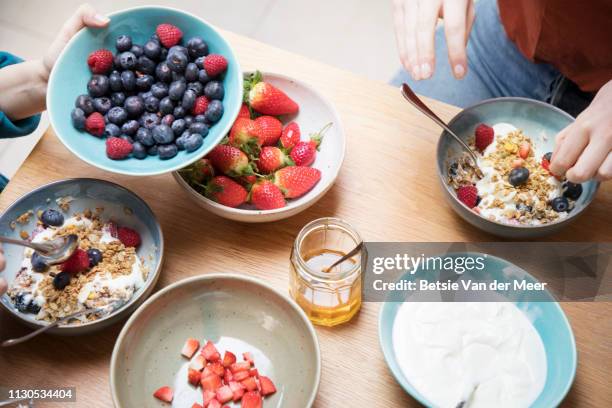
(584, 149)
(415, 25)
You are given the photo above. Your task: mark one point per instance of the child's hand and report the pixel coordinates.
(584, 148)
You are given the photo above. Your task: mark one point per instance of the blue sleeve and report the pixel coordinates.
(16, 128)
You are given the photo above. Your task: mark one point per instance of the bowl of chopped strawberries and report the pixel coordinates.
(282, 154)
(216, 340)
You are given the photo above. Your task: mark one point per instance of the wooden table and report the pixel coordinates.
(387, 189)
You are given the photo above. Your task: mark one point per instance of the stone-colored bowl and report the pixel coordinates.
(235, 312)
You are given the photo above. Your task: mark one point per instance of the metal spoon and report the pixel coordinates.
(464, 401)
(348, 255)
(420, 105)
(53, 251)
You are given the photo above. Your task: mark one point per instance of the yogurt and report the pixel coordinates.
(447, 349)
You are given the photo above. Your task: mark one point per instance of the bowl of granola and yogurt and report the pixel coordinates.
(114, 268)
(516, 196)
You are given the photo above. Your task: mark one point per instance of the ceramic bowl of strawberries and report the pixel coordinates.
(282, 154)
(153, 92)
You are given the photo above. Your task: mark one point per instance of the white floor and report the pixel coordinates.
(356, 35)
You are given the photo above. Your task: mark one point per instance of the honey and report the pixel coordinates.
(327, 297)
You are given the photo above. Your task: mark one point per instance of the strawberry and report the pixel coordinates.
(546, 160)
(244, 112)
(129, 237)
(100, 61)
(94, 124)
(224, 394)
(117, 148)
(271, 128)
(290, 136)
(251, 399)
(229, 358)
(209, 351)
(200, 105)
(190, 347)
(247, 181)
(228, 376)
(254, 373)
(265, 196)
(304, 153)
(468, 195)
(208, 396)
(248, 357)
(78, 262)
(237, 390)
(211, 382)
(215, 65)
(198, 363)
(295, 181)
(271, 159)
(164, 394)
(237, 367)
(217, 368)
(240, 376)
(267, 386)
(196, 405)
(524, 149)
(194, 377)
(214, 403)
(249, 383)
(267, 99)
(230, 160)
(168, 34)
(484, 136)
(226, 191)
(246, 134)
(199, 172)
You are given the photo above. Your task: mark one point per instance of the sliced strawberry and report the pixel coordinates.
(164, 393)
(196, 405)
(228, 376)
(190, 347)
(209, 351)
(211, 382)
(251, 399)
(248, 357)
(194, 377)
(78, 262)
(249, 383)
(241, 375)
(208, 396)
(237, 390)
(242, 366)
(253, 372)
(224, 394)
(214, 404)
(229, 358)
(217, 368)
(198, 363)
(267, 386)
(524, 149)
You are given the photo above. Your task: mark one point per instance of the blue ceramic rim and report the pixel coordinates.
(222, 132)
(212, 276)
(417, 396)
(439, 154)
(148, 283)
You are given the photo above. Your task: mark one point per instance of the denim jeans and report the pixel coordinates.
(495, 68)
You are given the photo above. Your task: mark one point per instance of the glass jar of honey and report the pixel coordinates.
(328, 297)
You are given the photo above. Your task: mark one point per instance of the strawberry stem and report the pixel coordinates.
(318, 136)
(250, 80)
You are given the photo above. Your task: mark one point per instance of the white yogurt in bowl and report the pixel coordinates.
(445, 349)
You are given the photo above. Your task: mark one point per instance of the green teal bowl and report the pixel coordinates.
(71, 73)
(546, 316)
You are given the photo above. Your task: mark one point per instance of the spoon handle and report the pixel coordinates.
(17, 242)
(350, 254)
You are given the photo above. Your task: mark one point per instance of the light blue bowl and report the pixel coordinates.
(546, 316)
(87, 193)
(71, 73)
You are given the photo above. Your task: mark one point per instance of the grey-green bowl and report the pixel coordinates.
(235, 312)
(537, 119)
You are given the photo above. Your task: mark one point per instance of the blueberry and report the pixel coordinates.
(98, 85)
(144, 82)
(137, 50)
(102, 104)
(452, 169)
(152, 151)
(180, 141)
(179, 112)
(178, 77)
(139, 151)
(134, 105)
(188, 120)
(117, 98)
(152, 49)
(112, 130)
(146, 65)
(151, 104)
(214, 90)
(127, 138)
(191, 72)
(159, 90)
(178, 126)
(199, 62)
(123, 43)
(52, 217)
(524, 208)
(85, 103)
(178, 49)
(200, 118)
(149, 120)
(127, 60)
(177, 61)
(559, 204)
(163, 72)
(154, 38)
(130, 127)
(163, 134)
(572, 190)
(193, 142)
(145, 95)
(128, 80)
(197, 47)
(167, 119)
(197, 87)
(199, 128)
(189, 98)
(163, 54)
(548, 156)
(145, 137)
(116, 61)
(167, 151)
(61, 280)
(166, 105)
(215, 111)
(117, 114)
(78, 118)
(38, 263)
(114, 80)
(21, 304)
(517, 176)
(176, 90)
(95, 256)
(203, 76)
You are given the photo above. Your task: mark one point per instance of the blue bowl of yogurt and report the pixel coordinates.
(512, 353)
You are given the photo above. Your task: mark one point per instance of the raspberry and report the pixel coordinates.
(117, 148)
(100, 61)
(78, 262)
(483, 136)
(94, 124)
(128, 237)
(468, 195)
(215, 64)
(168, 34)
(200, 105)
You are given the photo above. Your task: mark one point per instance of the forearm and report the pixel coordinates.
(23, 89)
